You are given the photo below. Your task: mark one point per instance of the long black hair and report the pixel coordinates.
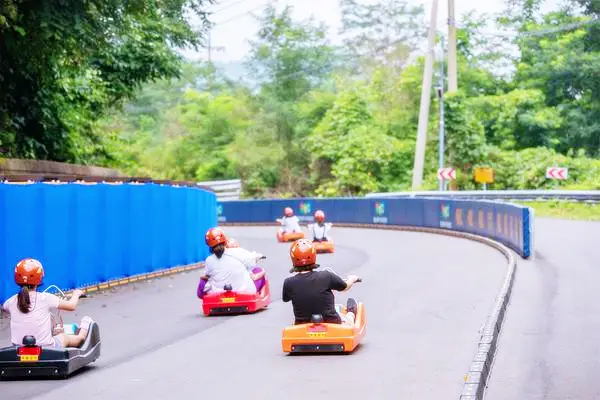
(23, 299)
(218, 250)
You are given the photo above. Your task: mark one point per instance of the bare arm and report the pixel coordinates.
(350, 281)
(3, 310)
(258, 275)
(71, 304)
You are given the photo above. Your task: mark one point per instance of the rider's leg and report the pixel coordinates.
(258, 275)
(352, 305)
(78, 339)
(347, 316)
(351, 310)
(202, 288)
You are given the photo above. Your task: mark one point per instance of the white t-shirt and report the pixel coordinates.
(233, 268)
(37, 322)
(291, 224)
(319, 232)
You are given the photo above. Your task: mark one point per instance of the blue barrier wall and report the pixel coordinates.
(90, 233)
(507, 223)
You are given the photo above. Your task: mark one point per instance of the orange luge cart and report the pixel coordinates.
(320, 337)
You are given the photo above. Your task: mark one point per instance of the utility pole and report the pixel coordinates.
(452, 67)
(440, 92)
(209, 46)
(425, 102)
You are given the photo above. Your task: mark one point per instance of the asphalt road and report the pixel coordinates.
(426, 298)
(550, 345)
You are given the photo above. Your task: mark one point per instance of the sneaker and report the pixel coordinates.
(86, 322)
(351, 306)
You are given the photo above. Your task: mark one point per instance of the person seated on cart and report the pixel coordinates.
(232, 243)
(289, 222)
(320, 228)
(229, 266)
(310, 291)
(31, 311)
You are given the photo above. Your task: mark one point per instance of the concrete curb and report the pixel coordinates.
(479, 372)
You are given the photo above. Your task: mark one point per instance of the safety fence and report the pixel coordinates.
(225, 190)
(87, 233)
(506, 223)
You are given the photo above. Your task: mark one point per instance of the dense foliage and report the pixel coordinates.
(314, 119)
(63, 63)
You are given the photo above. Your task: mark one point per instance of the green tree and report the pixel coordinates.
(465, 137)
(289, 58)
(352, 155)
(65, 63)
(385, 32)
(563, 64)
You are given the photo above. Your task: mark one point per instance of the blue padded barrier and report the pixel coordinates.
(85, 234)
(507, 223)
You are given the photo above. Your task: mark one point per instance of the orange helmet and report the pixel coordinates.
(29, 272)
(232, 243)
(319, 216)
(214, 237)
(303, 253)
(288, 212)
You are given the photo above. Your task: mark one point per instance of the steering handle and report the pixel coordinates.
(83, 296)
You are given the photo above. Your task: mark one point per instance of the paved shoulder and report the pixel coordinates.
(549, 348)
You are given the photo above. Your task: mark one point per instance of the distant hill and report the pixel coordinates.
(234, 70)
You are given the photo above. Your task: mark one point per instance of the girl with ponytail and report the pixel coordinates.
(31, 311)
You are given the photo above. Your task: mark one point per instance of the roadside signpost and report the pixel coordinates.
(559, 173)
(446, 174)
(484, 175)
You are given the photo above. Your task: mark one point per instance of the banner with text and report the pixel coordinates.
(509, 224)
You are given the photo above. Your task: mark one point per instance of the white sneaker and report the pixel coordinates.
(349, 318)
(86, 322)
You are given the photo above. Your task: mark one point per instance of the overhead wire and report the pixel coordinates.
(537, 32)
(540, 32)
(226, 21)
(227, 6)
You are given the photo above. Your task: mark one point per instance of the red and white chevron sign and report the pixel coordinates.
(446, 174)
(557, 173)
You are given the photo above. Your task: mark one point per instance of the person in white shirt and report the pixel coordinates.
(232, 243)
(229, 266)
(320, 229)
(258, 272)
(289, 222)
(30, 311)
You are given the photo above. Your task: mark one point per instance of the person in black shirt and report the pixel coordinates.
(310, 291)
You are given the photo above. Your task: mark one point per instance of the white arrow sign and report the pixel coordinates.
(446, 174)
(557, 173)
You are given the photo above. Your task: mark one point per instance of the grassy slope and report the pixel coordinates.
(565, 210)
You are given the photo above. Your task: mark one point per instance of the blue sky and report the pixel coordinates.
(235, 24)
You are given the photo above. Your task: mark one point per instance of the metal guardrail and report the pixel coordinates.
(225, 190)
(591, 196)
